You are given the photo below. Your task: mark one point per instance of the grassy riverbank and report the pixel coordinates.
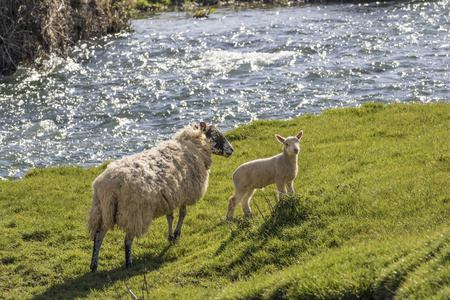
(370, 219)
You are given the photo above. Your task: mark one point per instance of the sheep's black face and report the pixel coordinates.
(219, 144)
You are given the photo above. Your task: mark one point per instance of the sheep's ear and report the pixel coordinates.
(300, 134)
(280, 138)
(203, 126)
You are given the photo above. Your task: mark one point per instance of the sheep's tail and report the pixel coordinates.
(95, 216)
(102, 213)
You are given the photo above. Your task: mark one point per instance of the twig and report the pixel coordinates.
(131, 292)
(254, 201)
(267, 200)
(145, 287)
(357, 187)
(220, 219)
(7, 52)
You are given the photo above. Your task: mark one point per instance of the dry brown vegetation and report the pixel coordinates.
(30, 29)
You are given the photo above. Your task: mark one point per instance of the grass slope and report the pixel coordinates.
(370, 219)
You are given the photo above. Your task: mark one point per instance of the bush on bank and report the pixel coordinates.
(33, 29)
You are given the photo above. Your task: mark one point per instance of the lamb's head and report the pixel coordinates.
(219, 144)
(291, 144)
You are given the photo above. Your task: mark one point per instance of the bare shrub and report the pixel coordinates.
(30, 29)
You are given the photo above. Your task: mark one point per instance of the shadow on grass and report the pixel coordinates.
(289, 211)
(83, 285)
(264, 238)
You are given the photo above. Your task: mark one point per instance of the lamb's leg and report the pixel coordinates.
(290, 187)
(232, 203)
(98, 239)
(245, 202)
(181, 216)
(281, 187)
(128, 244)
(241, 196)
(170, 218)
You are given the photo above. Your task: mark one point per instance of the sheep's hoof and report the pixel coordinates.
(176, 236)
(93, 268)
(173, 239)
(229, 218)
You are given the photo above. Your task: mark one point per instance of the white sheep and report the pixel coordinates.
(134, 190)
(280, 169)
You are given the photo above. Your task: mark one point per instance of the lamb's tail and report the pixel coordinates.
(102, 213)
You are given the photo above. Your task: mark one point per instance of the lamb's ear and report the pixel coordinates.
(280, 138)
(300, 134)
(203, 126)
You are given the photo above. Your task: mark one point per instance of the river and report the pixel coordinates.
(119, 95)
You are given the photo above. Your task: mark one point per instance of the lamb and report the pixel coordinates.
(134, 190)
(280, 169)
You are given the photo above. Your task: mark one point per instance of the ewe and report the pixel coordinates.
(136, 189)
(280, 169)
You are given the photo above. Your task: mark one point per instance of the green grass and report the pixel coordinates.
(370, 219)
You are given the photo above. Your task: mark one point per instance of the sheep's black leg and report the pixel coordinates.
(98, 239)
(170, 218)
(183, 212)
(128, 244)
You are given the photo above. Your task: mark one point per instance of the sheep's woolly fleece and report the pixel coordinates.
(137, 188)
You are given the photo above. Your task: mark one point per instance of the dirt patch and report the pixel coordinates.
(31, 29)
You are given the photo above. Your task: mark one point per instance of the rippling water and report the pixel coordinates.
(117, 96)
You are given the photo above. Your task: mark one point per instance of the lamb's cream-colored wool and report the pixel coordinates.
(280, 169)
(134, 190)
